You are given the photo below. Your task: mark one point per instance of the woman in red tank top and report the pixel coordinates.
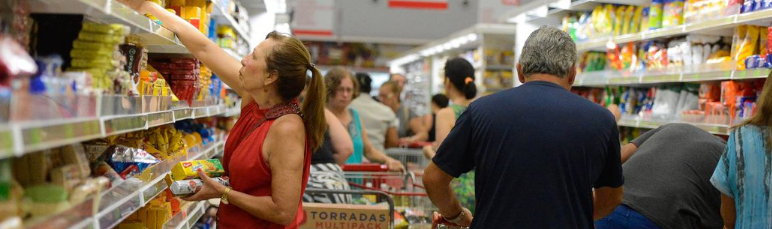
(268, 153)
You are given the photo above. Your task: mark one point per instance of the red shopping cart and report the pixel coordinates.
(405, 188)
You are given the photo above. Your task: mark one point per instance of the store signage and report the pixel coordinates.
(419, 4)
(344, 216)
(314, 18)
(510, 2)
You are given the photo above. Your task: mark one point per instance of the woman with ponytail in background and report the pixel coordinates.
(460, 88)
(268, 153)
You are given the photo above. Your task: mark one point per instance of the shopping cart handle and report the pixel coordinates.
(418, 145)
(367, 167)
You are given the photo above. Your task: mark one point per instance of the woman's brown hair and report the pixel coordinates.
(291, 60)
(763, 116)
(333, 78)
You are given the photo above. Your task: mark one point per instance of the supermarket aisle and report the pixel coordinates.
(106, 111)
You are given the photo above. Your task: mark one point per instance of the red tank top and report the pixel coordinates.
(248, 171)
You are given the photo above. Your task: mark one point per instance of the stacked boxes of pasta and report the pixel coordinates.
(97, 52)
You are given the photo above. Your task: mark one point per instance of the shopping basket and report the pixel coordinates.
(405, 188)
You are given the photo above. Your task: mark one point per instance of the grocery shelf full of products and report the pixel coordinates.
(116, 113)
(98, 104)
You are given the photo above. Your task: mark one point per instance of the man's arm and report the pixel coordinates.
(437, 183)
(728, 211)
(628, 151)
(392, 139)
(606, 200)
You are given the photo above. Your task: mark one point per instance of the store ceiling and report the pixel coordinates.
(374, 21)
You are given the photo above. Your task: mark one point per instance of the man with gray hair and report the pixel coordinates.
(538, 150)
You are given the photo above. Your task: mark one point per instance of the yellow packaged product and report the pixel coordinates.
(110, 29)
(635, 23)
(88, 45)
(178, 3)
(619, 16)
(91, 54)
(197, 3)
(626, 22)
(189, 169)
(747, 47)
(95, 63)
(189, 12)
(101, 38)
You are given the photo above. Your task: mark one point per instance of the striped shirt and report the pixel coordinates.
(744, 173)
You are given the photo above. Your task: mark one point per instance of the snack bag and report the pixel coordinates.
(619, 16)
(644, 26)
(627, 21)
(189, 169)
(747, 47)
(655, 14)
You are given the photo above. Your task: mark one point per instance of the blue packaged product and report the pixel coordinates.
(768, 61)
(758, 5)
(123, 157)
(747, 6)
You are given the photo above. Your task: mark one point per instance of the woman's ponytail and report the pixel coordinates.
(470, 90)
(313, 109)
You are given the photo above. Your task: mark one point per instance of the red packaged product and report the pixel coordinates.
(183, 66)
(187, 77)
(183, 72)
(769, 40)
(184, 60)
(161, 65)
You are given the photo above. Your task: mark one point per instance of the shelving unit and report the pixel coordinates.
(602, 78)
(722, 25)
(157, 38)
(551, 12)
(653, 124)
(220, 14)
(117, 203)
(38, 135)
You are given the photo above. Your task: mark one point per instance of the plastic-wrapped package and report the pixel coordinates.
(655, 14)
(14, 61)
(122, 158)
(619, 17)
(747, 47)
(665, 102)
(189, 187)
(673, 13)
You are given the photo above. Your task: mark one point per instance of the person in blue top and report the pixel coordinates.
(341, 90)
(744, 172)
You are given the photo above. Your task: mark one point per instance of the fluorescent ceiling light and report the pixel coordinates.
(283, 28)
(471, 37)
(275, 6)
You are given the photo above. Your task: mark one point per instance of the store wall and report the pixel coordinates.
(373, 19)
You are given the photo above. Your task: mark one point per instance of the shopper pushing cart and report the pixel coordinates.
(537, 150)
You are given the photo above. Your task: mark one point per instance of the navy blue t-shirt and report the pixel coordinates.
(537, 150)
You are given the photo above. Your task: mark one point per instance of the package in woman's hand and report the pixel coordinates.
(189, 169)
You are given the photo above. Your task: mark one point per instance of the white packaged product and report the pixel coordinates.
(189, 187)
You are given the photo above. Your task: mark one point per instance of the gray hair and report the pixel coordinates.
(550, 51)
